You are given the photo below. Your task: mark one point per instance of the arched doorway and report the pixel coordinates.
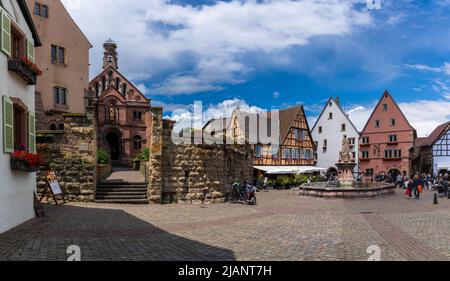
(114, 142)
(394, 173)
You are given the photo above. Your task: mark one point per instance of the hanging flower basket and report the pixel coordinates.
(25, 161)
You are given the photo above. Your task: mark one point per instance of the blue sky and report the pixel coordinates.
(274, 54)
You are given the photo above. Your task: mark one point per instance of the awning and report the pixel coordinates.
(443, 166)
(287, 170)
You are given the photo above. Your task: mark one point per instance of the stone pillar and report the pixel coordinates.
(155, 161)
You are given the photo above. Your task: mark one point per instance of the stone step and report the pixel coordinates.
(120, 189)
(123, 184)
(122, 201)
(120, 192)
(121, 196)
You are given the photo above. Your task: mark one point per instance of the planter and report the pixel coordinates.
(18, 67)
(17, 165)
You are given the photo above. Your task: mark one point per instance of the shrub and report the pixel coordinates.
(102, 157)
(284, 181)
(300, 179)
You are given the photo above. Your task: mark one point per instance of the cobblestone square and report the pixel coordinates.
(283, 226)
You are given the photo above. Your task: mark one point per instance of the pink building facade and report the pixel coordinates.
(386, 141)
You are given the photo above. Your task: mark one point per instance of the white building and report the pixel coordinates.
(17, 41)
(329, 131)
(440, 141)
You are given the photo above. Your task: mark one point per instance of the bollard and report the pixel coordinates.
(435, 199)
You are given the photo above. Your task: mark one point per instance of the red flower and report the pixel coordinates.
(30, 159)
(31, 66)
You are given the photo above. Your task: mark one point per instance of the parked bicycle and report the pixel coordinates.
(245, 193)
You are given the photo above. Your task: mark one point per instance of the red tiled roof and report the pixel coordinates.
(435, 135)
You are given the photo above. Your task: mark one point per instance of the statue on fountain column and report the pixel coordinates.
(346, 152)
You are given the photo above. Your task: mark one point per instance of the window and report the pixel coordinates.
(303, 135)
(352, 141)
(58, 54)
(393, 138)
(60, 95)
(296, 154)
(320, 129)
(325, 144)
(117, 83)
(365, 140)
(377, 123)
(287, 153)
(61, 127)
(41, 10)
(354, 155)
(393, 122)
(393, 153)
(331, 104)
(137, 115)
(124, 89)
(296, 134)
(258, 151)
(137, 143)
(330, 115)
(343, 128)
(20, 127)
(307, 154)
(385, 107)
(369, 172)
(365, 154)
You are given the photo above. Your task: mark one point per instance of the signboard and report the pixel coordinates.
(56, 189)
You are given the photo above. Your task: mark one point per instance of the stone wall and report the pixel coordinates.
(45, 119)
(72, 156)
(196, 173)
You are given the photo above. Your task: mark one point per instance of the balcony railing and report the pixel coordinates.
(16, 65)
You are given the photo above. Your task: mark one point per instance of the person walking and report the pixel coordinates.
(409, 188)
(416, 184)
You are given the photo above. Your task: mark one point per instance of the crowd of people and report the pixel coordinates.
(418, 183)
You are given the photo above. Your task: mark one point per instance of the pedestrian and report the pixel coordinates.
(409, 188)
(416, 184)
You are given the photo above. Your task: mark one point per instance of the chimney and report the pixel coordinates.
(337, 100)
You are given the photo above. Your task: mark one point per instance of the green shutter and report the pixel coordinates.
(30, 50)
(31, 132)
(8, 125)
(5, 34)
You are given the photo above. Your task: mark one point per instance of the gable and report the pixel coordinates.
(137, 94)
(386, 110)
(111, 92)
(336, 109)
(59, 16)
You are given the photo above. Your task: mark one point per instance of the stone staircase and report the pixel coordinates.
(122, 193)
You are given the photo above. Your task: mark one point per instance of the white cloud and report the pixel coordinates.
(444, 69)
(203, 48)
(424, 115)
(185, 117)
(276, 94)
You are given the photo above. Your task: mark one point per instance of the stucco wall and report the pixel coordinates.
(59, 29)
(16, 188)
(331, 131)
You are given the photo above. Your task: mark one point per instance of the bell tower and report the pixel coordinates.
(110, 57)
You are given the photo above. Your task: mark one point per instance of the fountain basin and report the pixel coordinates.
(365, 190)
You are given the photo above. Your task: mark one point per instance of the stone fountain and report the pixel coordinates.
(346, 165)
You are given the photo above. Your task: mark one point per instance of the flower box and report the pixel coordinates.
(22, 160)
(25, 69)
(18, 165)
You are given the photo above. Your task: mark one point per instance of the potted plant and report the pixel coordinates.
(22, 160)
(31, 66)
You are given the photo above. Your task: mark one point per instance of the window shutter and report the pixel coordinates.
(8, 125)
(5, 34)
(31, 132)
(30, 50)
